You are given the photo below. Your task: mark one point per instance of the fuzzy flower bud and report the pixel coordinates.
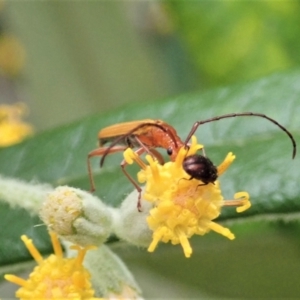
(77, 216)
(130, 224)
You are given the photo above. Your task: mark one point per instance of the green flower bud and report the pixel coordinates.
(129, 224)
(77, 216)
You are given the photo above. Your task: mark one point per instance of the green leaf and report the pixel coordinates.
(263, 167)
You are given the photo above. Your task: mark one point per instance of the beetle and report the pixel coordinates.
(149, 134)
(201, 168)
(145, 134)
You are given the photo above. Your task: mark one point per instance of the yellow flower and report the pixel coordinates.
(183, 207)
(12, 129)
(55, 277)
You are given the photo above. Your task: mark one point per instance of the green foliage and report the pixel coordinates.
(232, 40)
(263, 167)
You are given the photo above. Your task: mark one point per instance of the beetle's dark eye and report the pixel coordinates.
(169, 151)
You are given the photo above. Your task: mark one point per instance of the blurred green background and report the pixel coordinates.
(88, 56)
(95, 56)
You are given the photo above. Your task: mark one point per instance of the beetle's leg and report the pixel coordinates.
(153, 152)
(135, 184)
(157, 155)
(99, 152)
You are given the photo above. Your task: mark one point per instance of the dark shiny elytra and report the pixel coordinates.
(200, 168)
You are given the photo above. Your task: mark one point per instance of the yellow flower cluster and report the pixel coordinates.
(183, 207)
(56, 277)
(12, 129)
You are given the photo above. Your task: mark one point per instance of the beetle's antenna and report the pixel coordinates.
(249, 114)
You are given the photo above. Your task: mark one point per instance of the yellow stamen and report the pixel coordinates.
(184, 152)
(226, 163)
(15, 279)
(241, 199)
(156, 238)
(130, 157)
(194, 147)
(32, 249)
(154, 168)
(81, 252)
(184, 243)
(56, 244)
(245, 202)
(221, 230)
(180, 157)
